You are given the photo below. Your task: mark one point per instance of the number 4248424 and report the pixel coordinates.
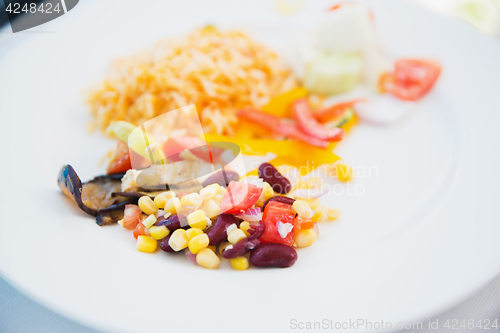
(485, 324)
(47, 8)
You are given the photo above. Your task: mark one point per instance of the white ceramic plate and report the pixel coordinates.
(422, 237)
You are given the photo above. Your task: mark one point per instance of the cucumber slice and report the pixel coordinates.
(330, 74)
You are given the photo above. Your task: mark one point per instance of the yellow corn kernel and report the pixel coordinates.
(172, 206)
(178, 240)
(192, 200)
(209, 192)
(303, 209)
(235, 236)
(314, 203)
(162, 198)
(267, 190)
(193, 232)
(149, 221)
(319, 214)
(211, 208)
(198, 243)
(208, 259)
(305, 238)
(222, 246)
(260, 201)
(344, 172)
(314, 182)
(159, 232)
(244, 226)
(218, 198)
(147, 205)
(239, 263)
(197, 219)
(212, 247)
(146, 244)
(231, 228)
(333, 213)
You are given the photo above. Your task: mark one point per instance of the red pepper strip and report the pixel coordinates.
(277, 125)
(335, 111)
(309, 124)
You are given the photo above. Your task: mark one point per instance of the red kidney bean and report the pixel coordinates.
(173, 222)
(164, 244)
(273, 255)
(218, 232)
(223, 178)
(278, 182)
(256, 231)
(286, 200)
(240, 248)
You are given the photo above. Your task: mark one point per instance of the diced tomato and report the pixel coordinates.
(281, 126)
(137, 161)
(303, 115)
(199, 148)
(190, 142)
(277, 212)
(131, 216)
(301, 223)
(121, 161)
(334, 111)
(239, 197)
(171, 148)
(412, 78)
(385, 82)
(139, 230)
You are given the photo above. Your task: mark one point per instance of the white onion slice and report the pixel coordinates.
(319, 230)
(250, 215)
(191, 256)
(384, 109)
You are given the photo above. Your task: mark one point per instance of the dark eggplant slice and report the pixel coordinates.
(113, 213)
(136, 195)
(71, 185)
(97, 193)
(95, 197)
(111, 176)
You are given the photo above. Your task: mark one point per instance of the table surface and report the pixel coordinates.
(14, 305)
